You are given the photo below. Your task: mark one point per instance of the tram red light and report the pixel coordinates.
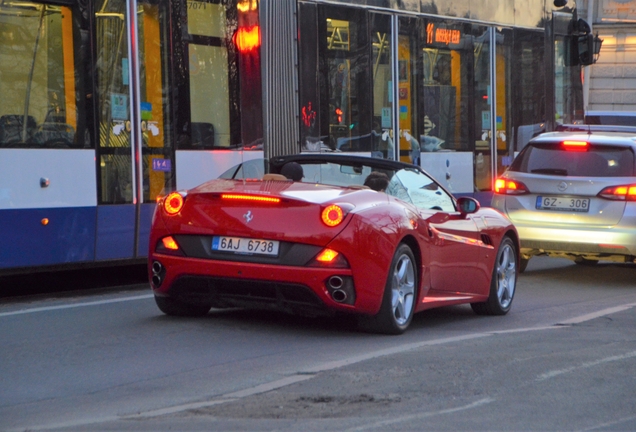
(247, 39)
(339, 113)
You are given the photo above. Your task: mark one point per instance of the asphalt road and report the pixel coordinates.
(564, 358)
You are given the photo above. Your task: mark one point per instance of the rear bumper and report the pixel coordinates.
(303, 290)
(614, 243)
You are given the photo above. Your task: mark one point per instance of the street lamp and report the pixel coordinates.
(597, 47)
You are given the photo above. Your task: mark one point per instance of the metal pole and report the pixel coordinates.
(587, 73)
(135, 114)
(493, 105)
(395, 91)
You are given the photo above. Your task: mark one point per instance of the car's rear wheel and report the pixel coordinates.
(398, 302)
(174, 307)
(503, 284)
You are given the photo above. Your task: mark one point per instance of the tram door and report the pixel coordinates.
(135, 161)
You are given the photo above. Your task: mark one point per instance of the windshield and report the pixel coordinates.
(251, 169)
(408, 184)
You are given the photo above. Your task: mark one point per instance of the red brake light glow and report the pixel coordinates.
(169, 243)
(510, 187)
(575, 145)
(327, 255)
(169, 246)
(247, 39)
(241, 197)
(620, 193)
(332, 215)
(173, 203)
(329, 258)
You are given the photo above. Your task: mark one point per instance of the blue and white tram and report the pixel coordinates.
(95, 98)
(107, 104)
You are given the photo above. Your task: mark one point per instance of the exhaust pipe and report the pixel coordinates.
(339, 296)
(157, 267)
(341, 289)
(158, 272)
(335, 282)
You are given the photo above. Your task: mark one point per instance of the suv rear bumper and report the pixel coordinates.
(610, 244)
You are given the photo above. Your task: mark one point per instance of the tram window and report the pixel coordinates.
(348, 108)
(211, 114)
(40, 81)
(117, 169)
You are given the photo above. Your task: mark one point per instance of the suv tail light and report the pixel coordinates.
(619, 193)
(510, 187)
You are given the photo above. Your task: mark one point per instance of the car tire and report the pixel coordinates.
(504, 282)
(523, 264)
(400, 292)
(585, 262)
(174, 307)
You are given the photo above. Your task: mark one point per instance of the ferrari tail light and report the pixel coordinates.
(332, 215)
(510, 187)
(173, 203)
(576, 145)
(329, 258)
(327, 255)
(168, 245)
(619, 193)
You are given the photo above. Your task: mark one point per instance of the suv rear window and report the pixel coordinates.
(597, 161)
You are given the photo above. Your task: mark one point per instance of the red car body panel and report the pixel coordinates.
(455, 253)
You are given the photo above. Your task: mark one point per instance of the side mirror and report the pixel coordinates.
(467, 205)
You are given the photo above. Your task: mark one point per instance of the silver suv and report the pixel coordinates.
(572, 194)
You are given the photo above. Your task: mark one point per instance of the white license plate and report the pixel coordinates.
(245, 245)
(563, 203)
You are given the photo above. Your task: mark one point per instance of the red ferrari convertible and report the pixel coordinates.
(330, 241)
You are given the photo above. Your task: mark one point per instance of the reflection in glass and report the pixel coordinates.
(527, 87)
(39, 81)
(209, 96)
(414, 187)
(410, 134)
(483, 111)
(116, 168)
(113, 96)
(382, 134)
(345, 71)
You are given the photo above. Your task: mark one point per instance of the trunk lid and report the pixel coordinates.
(270, 210)
(569, 193)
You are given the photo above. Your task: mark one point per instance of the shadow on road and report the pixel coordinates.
(71, 281)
